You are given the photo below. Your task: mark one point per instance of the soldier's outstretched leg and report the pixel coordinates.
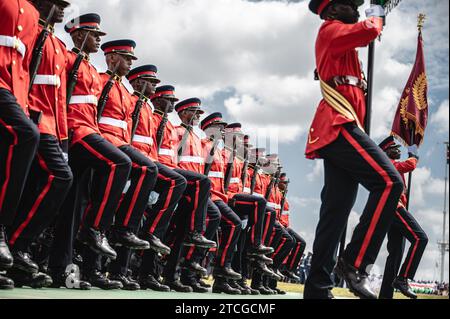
(18, 145)
(350, 160)
(45, 190)
(295, 255)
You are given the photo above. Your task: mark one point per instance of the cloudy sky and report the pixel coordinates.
(254, 62)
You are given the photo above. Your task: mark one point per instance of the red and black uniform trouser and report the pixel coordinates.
(252, 208)
(297, 251)
(197, 254)
(230, 229)
(18, 144)
(189, 216)
(100, 172)
(404, 226)
(352, 159)
(282, 242)
(170, 187)
(46, 187)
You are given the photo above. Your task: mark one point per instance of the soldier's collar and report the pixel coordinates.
(116, 77)
(138, 94)
(85, 56)
(51, 28)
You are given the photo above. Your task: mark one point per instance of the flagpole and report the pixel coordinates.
(443, 245)
(408, 190)
(370, 71)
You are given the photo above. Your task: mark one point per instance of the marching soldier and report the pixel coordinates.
(88, 150)
(50, 178)
(350, 156)
(189, 219)
(403, 226)
(293, 260)
(20, 137)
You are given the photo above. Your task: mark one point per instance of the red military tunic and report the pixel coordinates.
(235, 186)
(48, 93)
(403, 168)
(192, 157)
(167, 152)
(82, 108)
(284, 218)
(336, 55)
(217, 172)
(19, 19)
(115, 124)
(260, 184)
(144, 139)
(274, 200)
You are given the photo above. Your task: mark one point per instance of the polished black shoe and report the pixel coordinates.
(124, 237)
(259, 250)
(220, 286)
(226, 272)
(280, 292)
(194, 267)
(157, 245)
(402, 285)
(127, 283)
(198, 240)
(282, 277)
(47, 237)
(261, 258)
(97, 241)
(193, 283)
(242, 282)
(98, 279)
(35, 280)
(6, 283)
(177, 286)
(6, 259)
(261, 289)
(357, 281)
(262, 267)
(291, 276)
(69, 281)
(150, 282)
(235, 285)
(204, 284)
(22, 261)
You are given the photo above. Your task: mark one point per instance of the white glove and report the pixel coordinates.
(244, 223)
(153, 198)
(413, 150)
(375, 10)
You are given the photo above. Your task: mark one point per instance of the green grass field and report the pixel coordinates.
(294, 292)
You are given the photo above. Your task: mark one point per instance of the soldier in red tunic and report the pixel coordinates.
(403, 226)
(50, 177)
(20, 137)
(350, 156)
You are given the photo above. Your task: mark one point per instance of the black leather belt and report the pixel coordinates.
(348, 80)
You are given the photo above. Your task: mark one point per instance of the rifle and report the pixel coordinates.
(73, 75)
(273, 182)
(161, 128)
(39, 48)
(245, 167)
(230, 164)
(210, 157)
(105, 93)
(137, 110)
(185, 135)
(253, 180)
(283, 199)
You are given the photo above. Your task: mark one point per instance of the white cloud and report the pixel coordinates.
(441, 117)
(316, 172)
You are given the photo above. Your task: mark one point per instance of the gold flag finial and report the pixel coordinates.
(420, 21)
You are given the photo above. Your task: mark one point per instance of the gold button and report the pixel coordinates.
(14, 62)
(312, 130)
(93, 76)
(20, 28)
(57, 51)
(57, 67)
(21, 10)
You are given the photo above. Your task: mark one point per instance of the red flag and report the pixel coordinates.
(412, 112)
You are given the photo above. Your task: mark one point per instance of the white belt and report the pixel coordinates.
(41, 79)
(285, 213)
(215, 174)
(273, 205)
(13, 42)
(258, 194)
(113, 122)
(166, 151)
(247, 190)
(143, 139)
(83, 99)
(235, 180)
(191, 159)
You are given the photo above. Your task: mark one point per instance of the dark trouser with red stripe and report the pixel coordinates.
(282, 244)
(189, 216)
(351, 160)
(18, 144)
(198, 190)
(196, 254)
(403, 226)
(230, 225)
(296, 252)
(47, 185)
(143, 178)
(269, 221)
(102, 193)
